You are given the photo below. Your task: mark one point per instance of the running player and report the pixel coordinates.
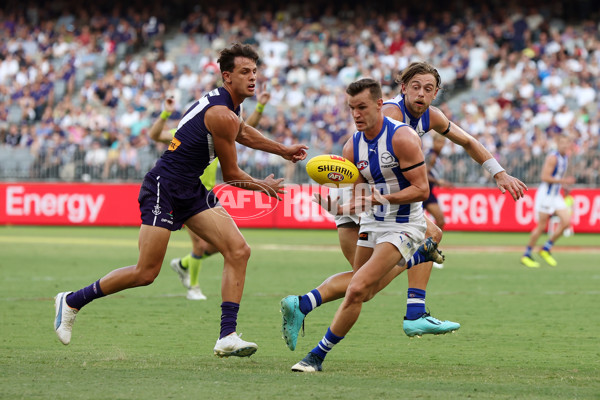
(389, 157)
(419, 83)
(171, 195)
(549, 201)
(188, 267)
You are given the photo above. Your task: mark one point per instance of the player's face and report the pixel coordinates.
(563, 145)
(366, 112)
(419, 92)
(242, 79)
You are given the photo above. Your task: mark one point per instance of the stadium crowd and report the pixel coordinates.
(80, 88)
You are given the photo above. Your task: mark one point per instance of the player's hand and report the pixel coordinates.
(332, 206)
(273, 187)
(263, 96)
(295, 152)
(170, 104)
(515, 187)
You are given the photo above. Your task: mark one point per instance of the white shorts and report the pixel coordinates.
(548, 204)
(346, 219)
(406, 237)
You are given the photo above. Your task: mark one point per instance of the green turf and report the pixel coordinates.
(526, 333)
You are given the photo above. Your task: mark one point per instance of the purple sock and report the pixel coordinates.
(83, 296)
(229, 312)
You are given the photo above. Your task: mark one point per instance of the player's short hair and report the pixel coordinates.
(371, 84)
(419, 68)
(227, 56)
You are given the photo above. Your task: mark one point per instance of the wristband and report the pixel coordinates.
(260, 108)
(492, 166)
(165, 115)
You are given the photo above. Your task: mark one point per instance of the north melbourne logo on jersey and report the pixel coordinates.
(387, 160)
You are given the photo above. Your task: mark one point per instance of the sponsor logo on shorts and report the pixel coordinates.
(363, 236)
(168, 221)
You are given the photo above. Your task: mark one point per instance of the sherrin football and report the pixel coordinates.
(331, 169)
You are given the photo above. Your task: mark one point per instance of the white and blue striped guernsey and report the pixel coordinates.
(421, 124)
(377, 163)
(552, 189)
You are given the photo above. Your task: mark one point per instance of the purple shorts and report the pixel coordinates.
(168, 203)
(432, 199)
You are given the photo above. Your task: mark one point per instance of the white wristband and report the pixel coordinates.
(492, 166)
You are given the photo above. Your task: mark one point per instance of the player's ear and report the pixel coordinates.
(226, 77)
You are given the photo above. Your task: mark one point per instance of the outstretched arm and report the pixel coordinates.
(157, 132)
(224, 125)
(250, 137)
(263, 99)
(440, 123)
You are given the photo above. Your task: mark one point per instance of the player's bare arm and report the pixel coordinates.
(157, 130)
(224, 126)
(263, 98)
(504, 181)
(549, 165)
(251, 137)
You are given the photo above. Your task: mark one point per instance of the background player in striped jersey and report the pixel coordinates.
(549, 201)
(391, 162)
(188, 267)
(171, 195)
(419, 85)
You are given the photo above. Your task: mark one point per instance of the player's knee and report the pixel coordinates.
(240, 253)
(146, 277)
(436, 233)
(441, 225)
(357, 292)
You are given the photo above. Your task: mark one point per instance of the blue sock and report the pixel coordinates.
(229, 312)
(527, 252)
(548, 245)
(415, 304)
(326, 344)
(310, 301)
(83, 296)
(416, 259)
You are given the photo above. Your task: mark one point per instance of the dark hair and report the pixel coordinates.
(227, 56)
(358, 86)
(419, 68)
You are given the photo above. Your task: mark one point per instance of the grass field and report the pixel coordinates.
(526, 333)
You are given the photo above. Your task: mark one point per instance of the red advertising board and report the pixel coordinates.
(465, 209)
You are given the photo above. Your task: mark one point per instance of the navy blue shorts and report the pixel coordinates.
(431, 199)
(168, 203)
